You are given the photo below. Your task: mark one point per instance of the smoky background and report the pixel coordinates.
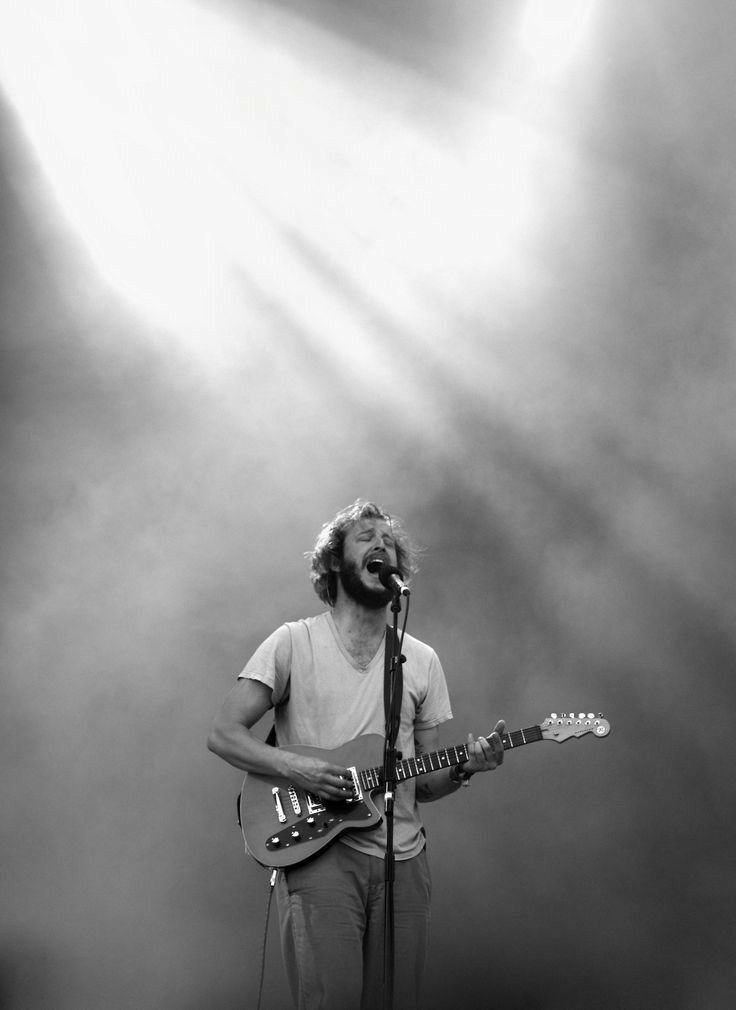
(562, 448)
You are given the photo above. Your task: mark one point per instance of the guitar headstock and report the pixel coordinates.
(561, 727)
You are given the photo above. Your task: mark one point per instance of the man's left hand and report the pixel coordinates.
(486, 753)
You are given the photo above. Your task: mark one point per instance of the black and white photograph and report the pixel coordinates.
(368, 525)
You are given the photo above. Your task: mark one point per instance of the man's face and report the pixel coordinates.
(366, 540)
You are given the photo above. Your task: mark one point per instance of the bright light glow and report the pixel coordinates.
(552, 30)
(191, 154)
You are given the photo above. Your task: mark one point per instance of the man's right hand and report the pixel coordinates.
(328, 781)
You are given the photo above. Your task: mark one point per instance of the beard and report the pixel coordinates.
(366, 596)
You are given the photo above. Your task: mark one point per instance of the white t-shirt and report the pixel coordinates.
(323, 699)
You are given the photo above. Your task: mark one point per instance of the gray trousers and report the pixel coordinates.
(331, 913)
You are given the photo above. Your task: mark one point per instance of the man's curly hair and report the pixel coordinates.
(328, 547)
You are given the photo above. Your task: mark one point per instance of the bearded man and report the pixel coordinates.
(324, 678)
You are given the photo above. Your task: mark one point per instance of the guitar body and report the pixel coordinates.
(284, 825)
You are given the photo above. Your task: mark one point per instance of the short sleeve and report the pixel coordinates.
(435, 706)
(271, 664)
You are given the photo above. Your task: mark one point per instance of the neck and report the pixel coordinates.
(355, 621)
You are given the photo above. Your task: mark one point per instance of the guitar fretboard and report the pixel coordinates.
(372, 778)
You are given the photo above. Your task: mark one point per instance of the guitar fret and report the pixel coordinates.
(372, 778)
(369, 779)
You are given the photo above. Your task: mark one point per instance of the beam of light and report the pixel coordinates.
(553, 30)
(119, 106)
(186, 150)
(201, 159)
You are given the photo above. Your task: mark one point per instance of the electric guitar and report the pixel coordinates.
(284, 824)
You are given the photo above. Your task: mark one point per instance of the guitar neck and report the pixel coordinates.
(372, 778)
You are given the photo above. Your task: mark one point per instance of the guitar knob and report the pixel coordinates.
(295, 834)
(275, 840)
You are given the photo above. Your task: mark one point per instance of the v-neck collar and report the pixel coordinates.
(341, 646)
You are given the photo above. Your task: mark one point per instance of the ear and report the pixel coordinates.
(334, 562)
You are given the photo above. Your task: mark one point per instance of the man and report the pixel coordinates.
(324, 677)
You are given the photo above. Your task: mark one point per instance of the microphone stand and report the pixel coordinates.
(390, 756)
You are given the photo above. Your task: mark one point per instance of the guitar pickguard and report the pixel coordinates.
(318, 826)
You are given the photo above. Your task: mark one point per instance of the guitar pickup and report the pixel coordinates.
(294, 797)
(357, 791)
(278, 804)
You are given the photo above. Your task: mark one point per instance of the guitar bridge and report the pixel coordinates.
(314, 804)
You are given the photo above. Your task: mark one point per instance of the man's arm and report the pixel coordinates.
(485, 755)
(231, 739)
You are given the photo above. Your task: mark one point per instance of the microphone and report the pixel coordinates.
(388, 576)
